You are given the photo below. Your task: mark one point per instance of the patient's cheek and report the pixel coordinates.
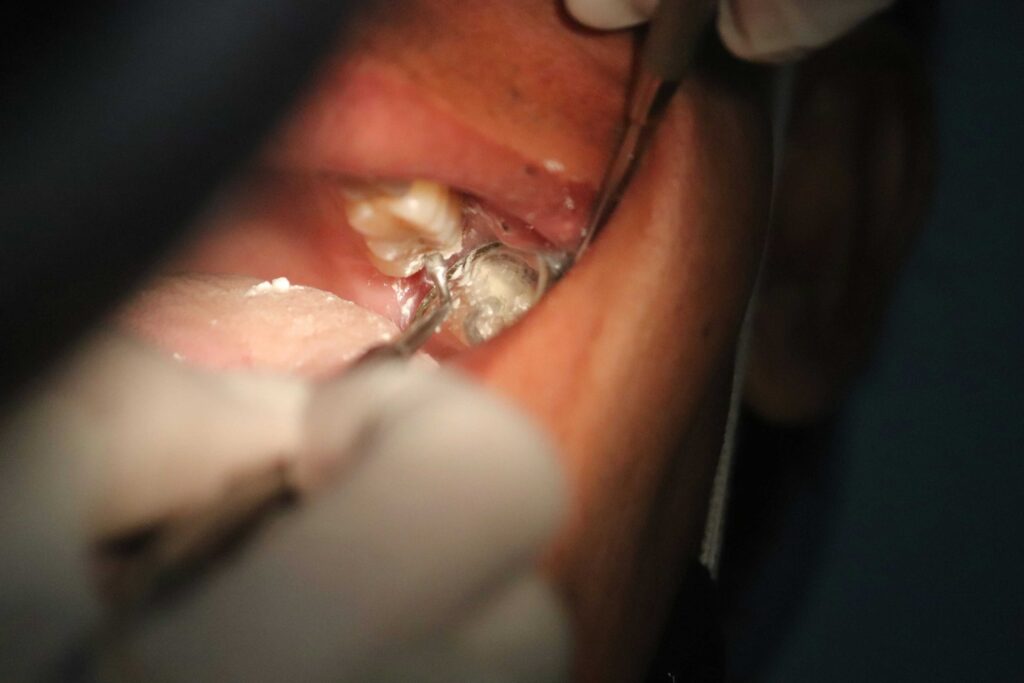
(627, 363)
(237, 322)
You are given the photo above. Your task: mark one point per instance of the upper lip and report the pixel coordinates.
(351, 131)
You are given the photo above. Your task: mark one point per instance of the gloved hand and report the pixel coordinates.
(423, 503)
(760, 30)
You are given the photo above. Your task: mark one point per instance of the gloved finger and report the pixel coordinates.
(149, 437)
(779, 30)
(118, 437)
(519, 633)
(46, 598)
(760, 30)
(611, 14)
(449, 494)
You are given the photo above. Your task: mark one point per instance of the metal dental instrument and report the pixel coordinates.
(422, 327)
(672, 37)
(491, 287)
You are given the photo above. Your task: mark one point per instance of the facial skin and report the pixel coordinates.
(627, 362)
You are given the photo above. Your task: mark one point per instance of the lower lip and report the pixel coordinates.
(227, 322)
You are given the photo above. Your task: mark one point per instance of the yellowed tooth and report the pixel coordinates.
(402, 223)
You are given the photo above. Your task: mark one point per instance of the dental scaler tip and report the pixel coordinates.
(672, 38)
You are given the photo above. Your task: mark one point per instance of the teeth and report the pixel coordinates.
(402, 223)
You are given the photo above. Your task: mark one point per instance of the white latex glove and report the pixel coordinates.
(425, 502)
(761, 30)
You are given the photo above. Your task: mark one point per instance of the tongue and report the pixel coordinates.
(232, 322)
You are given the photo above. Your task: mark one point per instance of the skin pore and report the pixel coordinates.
(627, 363)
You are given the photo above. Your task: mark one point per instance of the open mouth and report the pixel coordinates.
(319, 255)
(319, 288)
(305, 273)
(626, 358)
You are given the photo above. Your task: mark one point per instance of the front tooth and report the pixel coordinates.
(401, 225)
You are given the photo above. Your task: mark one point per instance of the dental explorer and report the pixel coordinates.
(672, 38)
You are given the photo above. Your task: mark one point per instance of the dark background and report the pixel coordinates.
(898, 554)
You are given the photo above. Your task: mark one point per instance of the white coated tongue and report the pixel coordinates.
(234, 322)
